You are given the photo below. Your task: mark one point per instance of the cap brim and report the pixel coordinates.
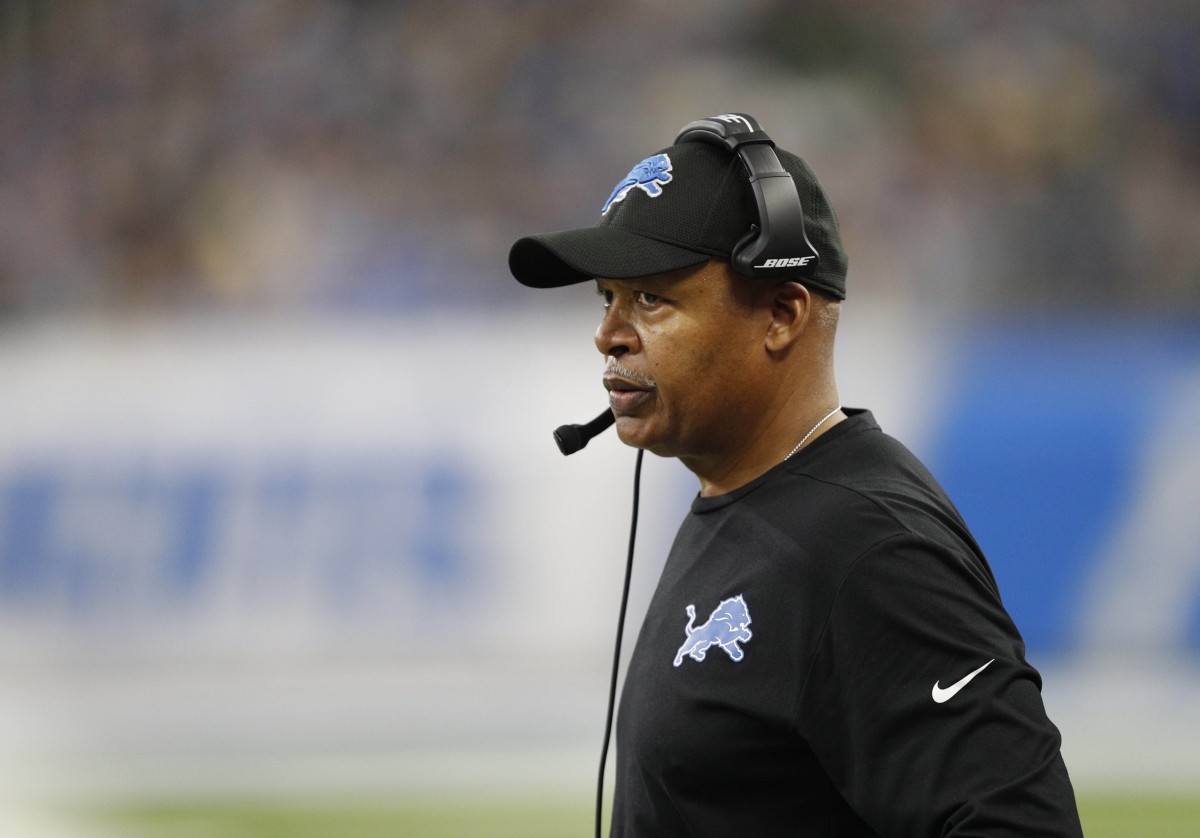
(552, 260)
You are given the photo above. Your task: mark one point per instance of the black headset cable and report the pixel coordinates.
(612, 686)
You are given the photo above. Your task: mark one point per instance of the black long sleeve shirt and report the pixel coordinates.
(827, 654)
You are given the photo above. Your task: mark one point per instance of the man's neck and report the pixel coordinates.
(720, 474)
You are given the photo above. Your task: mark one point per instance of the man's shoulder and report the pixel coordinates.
(865, 461)
(862, 486)
(855, 456)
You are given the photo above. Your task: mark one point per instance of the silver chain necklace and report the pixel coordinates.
(800, 444)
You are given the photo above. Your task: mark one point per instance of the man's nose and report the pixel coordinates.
(615, 336)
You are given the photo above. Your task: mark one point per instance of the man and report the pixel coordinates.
(826, 653)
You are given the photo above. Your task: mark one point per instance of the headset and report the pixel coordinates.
(776, 247)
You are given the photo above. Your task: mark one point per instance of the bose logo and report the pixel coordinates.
(794, 262)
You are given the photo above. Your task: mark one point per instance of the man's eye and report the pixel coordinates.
(647, 299)
(606, 296)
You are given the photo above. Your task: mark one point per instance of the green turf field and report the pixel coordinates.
(1104, 816)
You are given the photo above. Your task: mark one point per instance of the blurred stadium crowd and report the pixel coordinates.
(184, 155)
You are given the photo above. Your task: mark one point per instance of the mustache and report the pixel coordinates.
(615, 367)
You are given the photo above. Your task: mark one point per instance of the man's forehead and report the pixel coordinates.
(683, 275)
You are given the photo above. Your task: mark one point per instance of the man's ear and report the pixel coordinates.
(791, 305)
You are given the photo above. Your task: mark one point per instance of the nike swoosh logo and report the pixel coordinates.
(941, 695)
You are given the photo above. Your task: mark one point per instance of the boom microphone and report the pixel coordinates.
(572, 438)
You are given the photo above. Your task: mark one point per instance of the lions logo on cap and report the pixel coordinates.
(649, 176)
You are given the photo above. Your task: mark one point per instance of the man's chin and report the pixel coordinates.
(639, 432)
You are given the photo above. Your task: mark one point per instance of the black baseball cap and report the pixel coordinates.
(680, 207)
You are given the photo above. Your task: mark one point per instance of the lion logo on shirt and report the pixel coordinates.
(727, 626)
